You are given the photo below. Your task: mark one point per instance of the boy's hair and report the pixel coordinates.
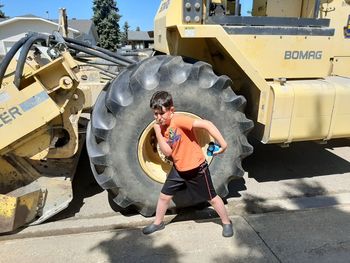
(161, 99)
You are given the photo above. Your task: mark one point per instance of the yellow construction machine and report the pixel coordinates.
(44, 94)
(286, 67)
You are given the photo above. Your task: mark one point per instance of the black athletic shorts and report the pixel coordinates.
(198, 181)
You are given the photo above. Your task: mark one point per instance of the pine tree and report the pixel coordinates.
(124, 38)
(106, 20)
(2, 14)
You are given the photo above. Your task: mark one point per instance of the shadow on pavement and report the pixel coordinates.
(271, 163)
(133, 246)
(300, 160)
(254, 204)
(311, 235)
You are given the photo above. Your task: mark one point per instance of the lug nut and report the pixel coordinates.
(197, 19)
(188, 18)
(67, 81)
(188, 6)
(197, 6)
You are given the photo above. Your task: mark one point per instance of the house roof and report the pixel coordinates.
(31, 17)
(139, 36)
(83, 25)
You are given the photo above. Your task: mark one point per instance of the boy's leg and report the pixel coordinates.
(220, 208)
(218, 204)
(203, 185)
(172, 184)
(162, 206)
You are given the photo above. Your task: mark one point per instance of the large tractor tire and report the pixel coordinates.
(120, 138)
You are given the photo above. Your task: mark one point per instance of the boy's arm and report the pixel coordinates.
(164, 147)
(213, 131)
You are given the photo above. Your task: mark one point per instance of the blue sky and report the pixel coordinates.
(137, 13)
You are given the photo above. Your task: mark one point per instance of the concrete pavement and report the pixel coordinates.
(312, 235)
(305, 176)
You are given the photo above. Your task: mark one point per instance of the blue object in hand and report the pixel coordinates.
(213, 147)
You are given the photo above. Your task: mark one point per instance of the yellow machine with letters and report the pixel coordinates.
(290, 59)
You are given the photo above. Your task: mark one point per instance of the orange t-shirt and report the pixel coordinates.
(186, 152)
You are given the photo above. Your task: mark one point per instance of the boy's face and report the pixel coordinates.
(163, 117)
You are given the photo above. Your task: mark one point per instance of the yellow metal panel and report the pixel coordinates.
(259, 8)
(169, 15)
(310, 115)
(8, 206)
(310, 110)
(12, 176)
(338, 14)
(23, 112)
(282, 111)
(217, 32)
(284, 8)
(313, 98)
(38, 147)
(18, 210)
(340, 126)
(286, 56)
(341, 66)
(264, 57)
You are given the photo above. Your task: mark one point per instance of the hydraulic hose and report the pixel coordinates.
(7, 59)
(23, 56)
(99, 54)
(102, 50)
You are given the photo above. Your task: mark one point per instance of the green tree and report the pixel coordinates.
(124, 38)
(138, 28)
(2, 14)
(106, 20)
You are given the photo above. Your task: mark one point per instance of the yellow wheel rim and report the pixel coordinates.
(154, 165)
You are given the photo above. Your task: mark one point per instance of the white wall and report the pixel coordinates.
(12, 32)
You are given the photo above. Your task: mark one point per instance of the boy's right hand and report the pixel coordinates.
(164, 147)
(157, 128)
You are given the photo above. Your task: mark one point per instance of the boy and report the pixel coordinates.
(176, 138)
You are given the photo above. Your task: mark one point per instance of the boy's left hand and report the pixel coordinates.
(221, 150)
